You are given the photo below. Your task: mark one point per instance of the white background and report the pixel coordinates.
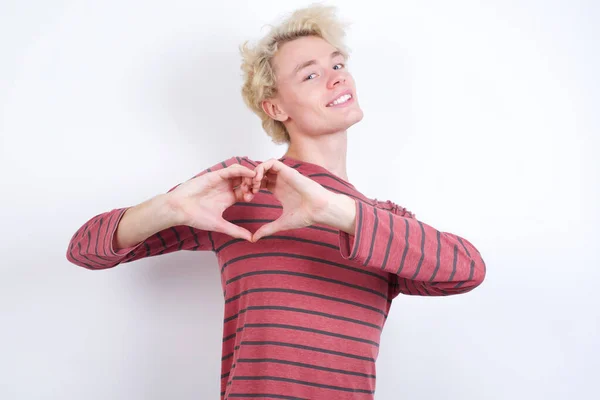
(481, 117)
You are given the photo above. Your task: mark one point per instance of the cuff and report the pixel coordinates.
(356, 247)
(110, 235)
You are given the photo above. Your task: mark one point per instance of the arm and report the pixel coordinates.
(388, 237)
(126, 234)
(144, 220)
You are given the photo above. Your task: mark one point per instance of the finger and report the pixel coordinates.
(263, 231)
(272, 169)
(259, 174)
(236, 182)
(242, 193)
(257, 179)
(272, 165)
(267, 172)
(248, 189)
(236, 170)
(244, 182)
(256, 185)
(248, 184)
(233, 230)
(291, 176)
(262, 169)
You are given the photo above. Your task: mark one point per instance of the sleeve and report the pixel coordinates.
(422, 260)
(91, 246)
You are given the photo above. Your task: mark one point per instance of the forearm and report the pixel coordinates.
(144, 220)
(441, 263)
(340, 213)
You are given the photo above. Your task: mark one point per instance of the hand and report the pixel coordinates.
(303, 199)
(200, 202)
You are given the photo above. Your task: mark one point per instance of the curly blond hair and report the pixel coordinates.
(258, 73)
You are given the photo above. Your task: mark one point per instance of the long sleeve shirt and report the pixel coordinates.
(304, 308)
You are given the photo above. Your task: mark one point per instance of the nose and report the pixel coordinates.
(336, 78)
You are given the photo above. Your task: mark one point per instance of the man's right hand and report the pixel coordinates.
(200, 202)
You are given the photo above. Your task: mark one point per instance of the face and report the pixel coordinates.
(315, 92)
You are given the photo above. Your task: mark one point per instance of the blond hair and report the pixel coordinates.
(258, 72)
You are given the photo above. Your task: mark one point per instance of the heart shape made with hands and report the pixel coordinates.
(302, 198)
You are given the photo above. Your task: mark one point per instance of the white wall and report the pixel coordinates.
(480, 117)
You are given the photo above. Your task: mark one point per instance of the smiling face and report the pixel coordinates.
(315, 92)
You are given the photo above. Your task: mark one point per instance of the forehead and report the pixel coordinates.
(300, 50)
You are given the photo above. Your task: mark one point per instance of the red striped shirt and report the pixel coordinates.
(305, 308)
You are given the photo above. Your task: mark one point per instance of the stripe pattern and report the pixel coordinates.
(304, 309)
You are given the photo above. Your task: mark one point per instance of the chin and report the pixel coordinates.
(346, 122)
(328, 126)
(353, 118)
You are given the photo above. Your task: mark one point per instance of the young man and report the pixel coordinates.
(309, 264)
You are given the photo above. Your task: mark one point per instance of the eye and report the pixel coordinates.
(308, 78)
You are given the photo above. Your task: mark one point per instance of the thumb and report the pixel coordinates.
(233, 230)
(267, 230)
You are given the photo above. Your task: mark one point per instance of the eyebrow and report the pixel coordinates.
(312, 62)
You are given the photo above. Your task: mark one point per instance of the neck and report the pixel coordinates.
(328, 151)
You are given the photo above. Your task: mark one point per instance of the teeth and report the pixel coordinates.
(340, 100)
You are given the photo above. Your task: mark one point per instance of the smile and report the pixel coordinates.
(340, 100)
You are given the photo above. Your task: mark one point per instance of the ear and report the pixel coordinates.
(273, 110)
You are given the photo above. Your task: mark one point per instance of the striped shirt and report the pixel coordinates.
(304, 308)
